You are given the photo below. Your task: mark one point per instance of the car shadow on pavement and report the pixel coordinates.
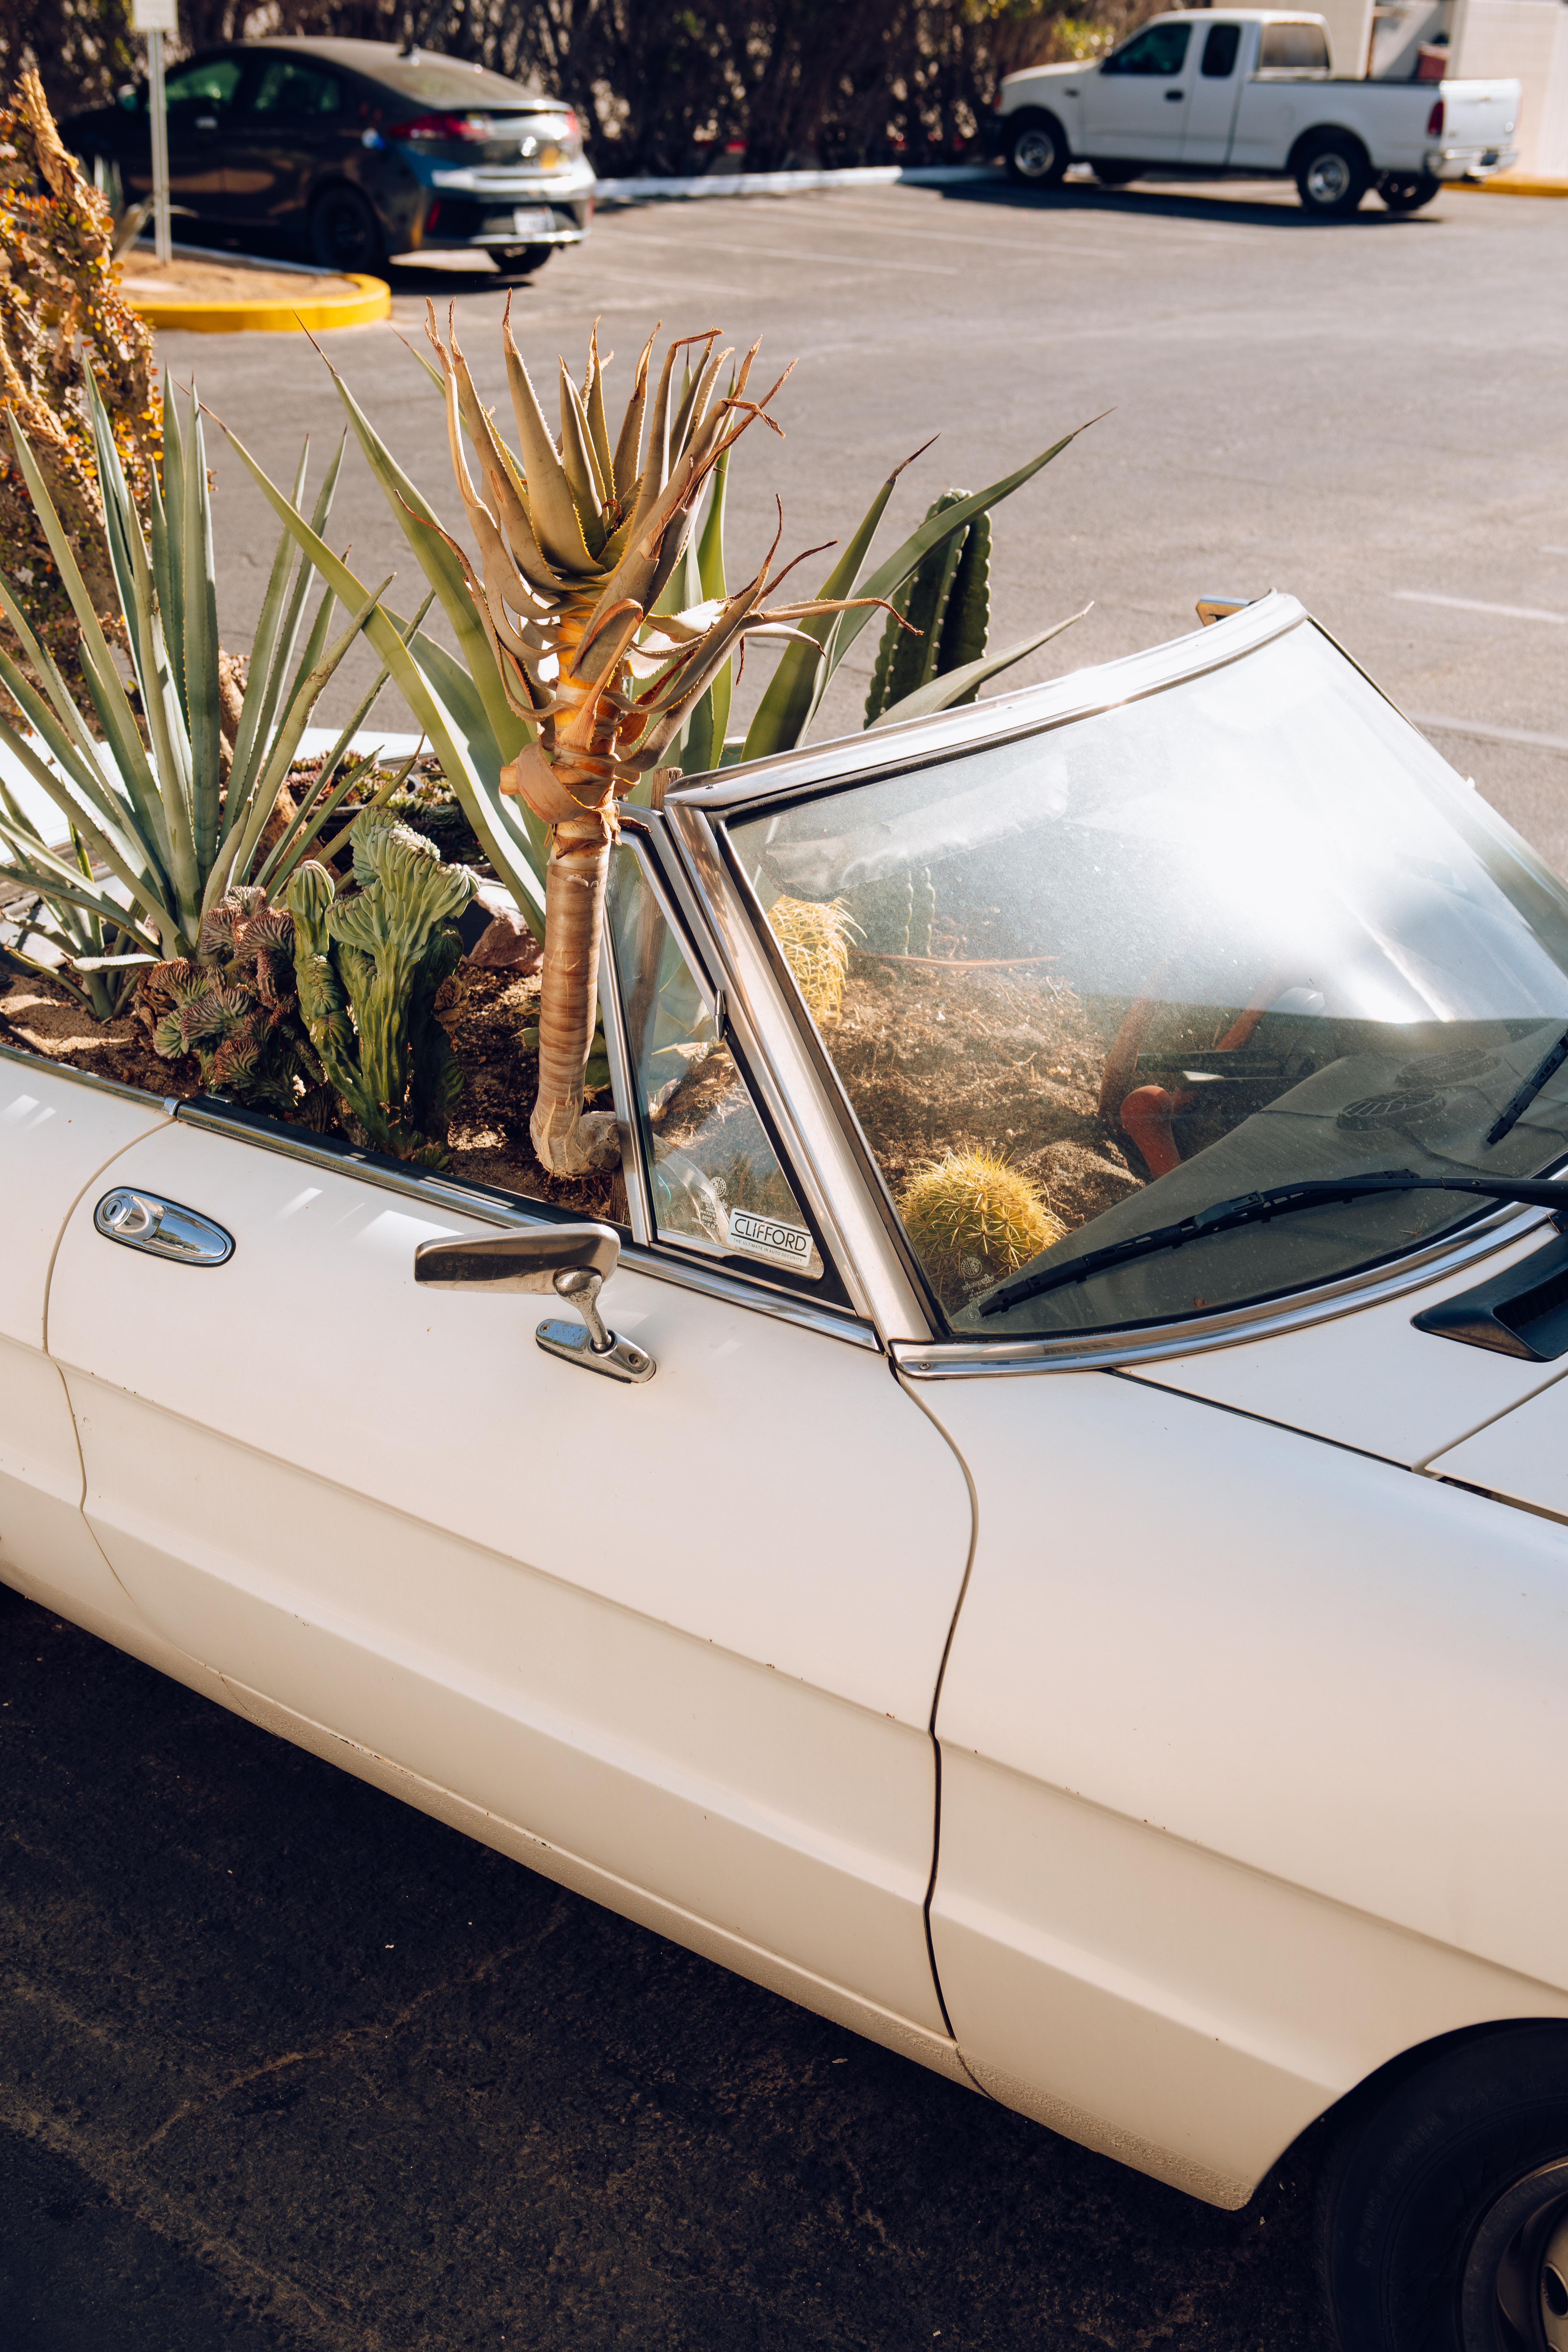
(300, 2069)
(1164, 200)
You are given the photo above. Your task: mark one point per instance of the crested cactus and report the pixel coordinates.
(944, 614)
(235, 1006)
(368, 968)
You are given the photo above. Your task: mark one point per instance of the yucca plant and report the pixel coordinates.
(166, 815)
(597, 642)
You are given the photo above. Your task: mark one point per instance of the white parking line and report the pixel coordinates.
(800, 252)
(1428, 720)
(1554, 551)
(1474, 604)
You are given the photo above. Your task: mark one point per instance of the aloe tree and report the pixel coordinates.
(166, 815)
(596, 643)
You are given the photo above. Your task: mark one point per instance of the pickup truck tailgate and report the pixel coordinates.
(1479, 113)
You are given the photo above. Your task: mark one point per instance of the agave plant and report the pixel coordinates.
(596, 643)
(167, 814)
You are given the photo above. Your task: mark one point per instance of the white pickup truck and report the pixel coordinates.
(1251, 92)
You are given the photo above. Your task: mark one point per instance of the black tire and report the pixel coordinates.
(522, 260)
(1331, 175)
(1117, 175)
(1406, 191)
(1037, 153)
(346, 233)
(1443, 2208)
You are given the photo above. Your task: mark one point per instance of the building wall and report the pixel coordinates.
(1529, 40)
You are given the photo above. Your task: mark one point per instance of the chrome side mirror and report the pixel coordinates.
(575, 1261)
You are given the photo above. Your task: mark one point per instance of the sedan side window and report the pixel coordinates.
(286, 92)
(1162, 49)
(1219, 52)
(204, 88)
(715, 1180)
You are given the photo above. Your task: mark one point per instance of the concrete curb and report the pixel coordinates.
(791, 183)
(373, 302)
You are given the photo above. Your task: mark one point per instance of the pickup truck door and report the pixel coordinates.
(1135, 103)
(675, 1644)
(1221, 68)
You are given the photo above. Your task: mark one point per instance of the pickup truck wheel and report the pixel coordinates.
(1443, 2209)
(1037, 154)
(1331, 177)
(1406, 191)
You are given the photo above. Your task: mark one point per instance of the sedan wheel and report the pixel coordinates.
(346, 233)
(1443, 2209)
(1037, 156)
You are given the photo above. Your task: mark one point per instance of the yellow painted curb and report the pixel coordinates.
(373, 302)
(1521, 183)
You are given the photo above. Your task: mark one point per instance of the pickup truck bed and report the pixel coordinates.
(1250, 91)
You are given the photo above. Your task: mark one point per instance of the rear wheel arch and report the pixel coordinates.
(1326, 133)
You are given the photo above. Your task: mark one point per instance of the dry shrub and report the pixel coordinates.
(60, 312)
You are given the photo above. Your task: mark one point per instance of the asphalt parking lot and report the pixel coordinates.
(286, 2067)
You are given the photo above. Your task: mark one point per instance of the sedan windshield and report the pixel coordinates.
(1245, 931)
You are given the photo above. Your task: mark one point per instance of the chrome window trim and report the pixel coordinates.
(1027, 711)
(167, 1104)
(639, 1209)
(486, 1207)
(1075, 1351)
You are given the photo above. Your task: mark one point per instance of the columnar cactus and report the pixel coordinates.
(944, 609)
(368, 968)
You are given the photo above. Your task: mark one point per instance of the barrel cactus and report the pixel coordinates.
(944, 614)
(368, 967)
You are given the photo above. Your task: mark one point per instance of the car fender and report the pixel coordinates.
(1327, 128)
(1021, 117)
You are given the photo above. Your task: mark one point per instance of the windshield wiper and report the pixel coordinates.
(1513, 1110)
(1280, 1200)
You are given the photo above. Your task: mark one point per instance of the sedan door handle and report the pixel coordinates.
(145, 1221)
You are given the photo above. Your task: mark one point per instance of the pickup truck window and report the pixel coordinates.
(1219, 51)
(1293, 48)
(1162, 49)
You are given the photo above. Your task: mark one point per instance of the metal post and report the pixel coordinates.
(162, 242)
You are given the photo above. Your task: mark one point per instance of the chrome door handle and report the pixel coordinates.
(145, 1221)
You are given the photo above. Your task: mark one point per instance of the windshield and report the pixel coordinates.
(1246, 930)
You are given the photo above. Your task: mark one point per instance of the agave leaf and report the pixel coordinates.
(65, 880)
(264, 641)
(170, 579)
(892, 574)
(235, 868)
(785, 712)
(422, 671)
(956, 686)
(598, 422)
(628, 446)
(66, 749)
(274, 690)
(578, 461)
(125, 859)
(443, 568)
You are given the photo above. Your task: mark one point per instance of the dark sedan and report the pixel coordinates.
(355, 148)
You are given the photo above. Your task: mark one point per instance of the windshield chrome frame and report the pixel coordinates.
(812, 1109)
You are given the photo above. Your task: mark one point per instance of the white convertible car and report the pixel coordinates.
(1130, 1678)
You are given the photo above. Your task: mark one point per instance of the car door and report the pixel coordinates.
(1135, 105)
(199, 100)
(1215, 87)
(677, 1642)
(290, 121)
(58, 1131)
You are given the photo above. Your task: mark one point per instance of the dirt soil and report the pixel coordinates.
(185, 280)
(484, 1014)
(999, 1060)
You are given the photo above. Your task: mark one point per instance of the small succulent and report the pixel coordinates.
(945, 608)
(972, 1217)
(235, 1005)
